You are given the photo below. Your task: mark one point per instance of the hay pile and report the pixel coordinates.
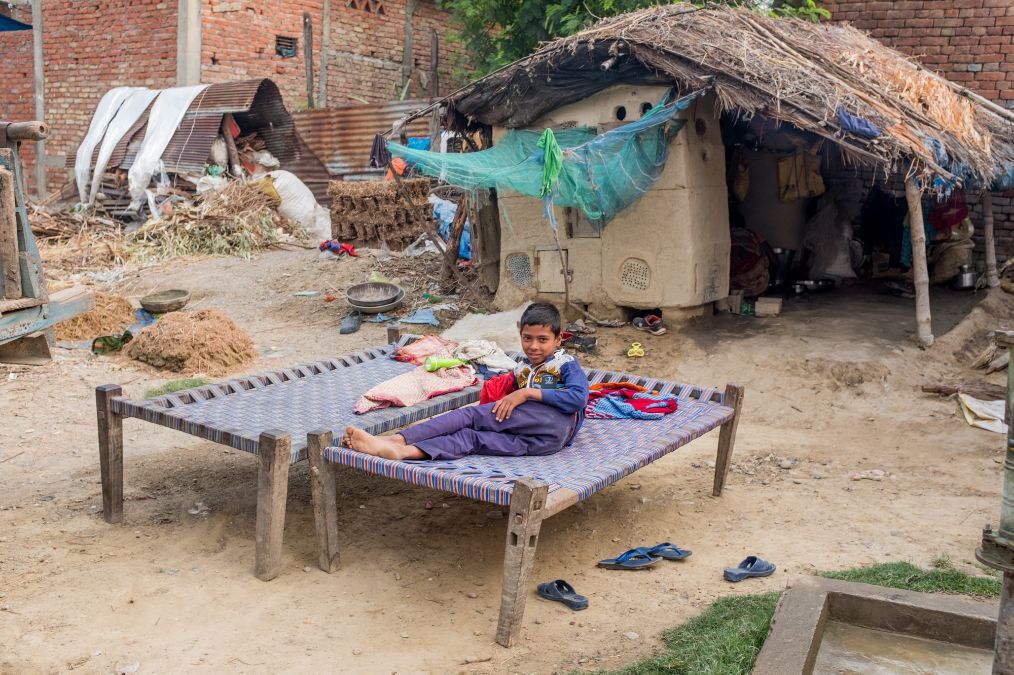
(369, 212)
(206, 341)
(72, 243)
(238, 220)
(111, 316)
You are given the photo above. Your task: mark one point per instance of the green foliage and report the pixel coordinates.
(494, 33)
(176, 385)
(727, 636)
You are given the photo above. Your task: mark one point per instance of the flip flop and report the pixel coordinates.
(634, 559)
(351, 323)
(561, 591)
(752, 566)
(669, 551)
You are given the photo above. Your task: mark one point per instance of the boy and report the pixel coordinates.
(539, 418)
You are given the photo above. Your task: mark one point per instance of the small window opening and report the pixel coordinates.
(645, 107)
(286, 47)
(368, 6)
(620, 112)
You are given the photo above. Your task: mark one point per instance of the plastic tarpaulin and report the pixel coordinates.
(986, 415)
(601, 174)
(130, 110)
(104, 114)
(163, 120)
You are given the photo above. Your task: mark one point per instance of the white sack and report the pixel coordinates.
(986, 415)
(299, 204)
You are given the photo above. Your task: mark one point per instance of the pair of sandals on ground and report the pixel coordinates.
(643, 558)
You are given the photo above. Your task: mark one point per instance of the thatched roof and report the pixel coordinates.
(793, 71)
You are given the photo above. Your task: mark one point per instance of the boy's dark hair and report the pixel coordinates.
(542, 314)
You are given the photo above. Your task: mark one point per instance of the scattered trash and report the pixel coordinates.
(631, 635)
(380, 318)
(306, 294)
(198, 509)
(171, 571)
(476, 659)
(107, 344)
(871, 474)
(988, 415)
(338, 248)
(422, 316)
(420, 246)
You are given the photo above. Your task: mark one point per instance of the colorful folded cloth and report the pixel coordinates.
(625, 400)
(415, 387)
(428, 345)
(485, 353)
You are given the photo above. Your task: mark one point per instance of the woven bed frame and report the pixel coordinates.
(268, 415)
(536, 488)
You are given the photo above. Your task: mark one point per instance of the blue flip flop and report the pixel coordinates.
(669, 551)
(561, 591)
(752, 566)
(634, 559)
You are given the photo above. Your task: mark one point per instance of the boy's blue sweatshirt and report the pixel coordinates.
(562, 381)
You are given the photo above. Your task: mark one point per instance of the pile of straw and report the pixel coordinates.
(206, 341)
(111, 316)
(238, 220)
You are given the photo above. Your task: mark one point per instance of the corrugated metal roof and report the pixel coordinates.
(258, 108)
(343, 137)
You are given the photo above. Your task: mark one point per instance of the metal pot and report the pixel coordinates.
(965, 279)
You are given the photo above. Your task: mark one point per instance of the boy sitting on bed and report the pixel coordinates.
(540, 417)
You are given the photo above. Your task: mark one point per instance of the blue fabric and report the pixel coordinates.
(615, 407)
(9, 24)
(444, 212)
(425, 315)
(857, 126)
(419, 142)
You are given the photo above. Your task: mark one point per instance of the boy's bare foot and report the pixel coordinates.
(385, 447)
(347, 437)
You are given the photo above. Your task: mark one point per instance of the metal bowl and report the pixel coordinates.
(166, 301)
(373, 294)
(377, 309)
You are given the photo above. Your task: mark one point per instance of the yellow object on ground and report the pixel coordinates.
(636, 350)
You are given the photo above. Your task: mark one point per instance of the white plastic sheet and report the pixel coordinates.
(105, 111)
(164, 119)
(130, 110)
(986, 415)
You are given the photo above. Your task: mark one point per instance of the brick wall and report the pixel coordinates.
(90, 46)
(365, 53)
(970, 42)
(16, 92)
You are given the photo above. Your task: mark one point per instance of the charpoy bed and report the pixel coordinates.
(267, 415)
(536, 488)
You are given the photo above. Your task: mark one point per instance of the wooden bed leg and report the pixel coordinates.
(273, 450)
(393, 334)
(727, 437)
(527, 505)
(325, 499)
(110, 452)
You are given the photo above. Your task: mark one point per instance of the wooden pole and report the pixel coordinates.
(434, 92)
(110, 452)
(406, 53)
(39, 86)
(727, 437)
(274, 451)
(920, 270)
(308, 57)
(10, 264)
(235, 166)
(992, 278)
(325, 45)
(454, 237)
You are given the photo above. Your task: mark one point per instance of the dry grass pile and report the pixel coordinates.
(373, 211)
(111, 316)
(238, 220)
(76, 242)
(206, 341)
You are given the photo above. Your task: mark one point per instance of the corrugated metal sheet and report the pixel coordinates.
(343, 137)
(258, 108)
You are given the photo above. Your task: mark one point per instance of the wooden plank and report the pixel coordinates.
(325, 499)
(559, 500)
(727, 437)
(920, 270)
(273, 450)
(527, 510)
(12, 305)
(989, 238)
(110, 452)
(393, 335)
(10, 263)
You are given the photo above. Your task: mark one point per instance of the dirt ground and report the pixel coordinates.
(831, 388)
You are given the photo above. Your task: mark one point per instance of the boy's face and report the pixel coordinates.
(539, 343)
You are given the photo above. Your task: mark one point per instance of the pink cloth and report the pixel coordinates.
(415, 387)
(428, 345)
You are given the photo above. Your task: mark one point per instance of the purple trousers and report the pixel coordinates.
(533, 429)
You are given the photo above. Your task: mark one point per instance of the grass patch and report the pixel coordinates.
(726, 638)
(943, 579)
(176, 385)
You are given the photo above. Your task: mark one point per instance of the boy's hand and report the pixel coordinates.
(503, 408)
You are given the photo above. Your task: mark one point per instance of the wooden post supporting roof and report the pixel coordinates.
(920, 270)
(992, 278)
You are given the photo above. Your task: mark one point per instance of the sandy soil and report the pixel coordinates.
(831, 387)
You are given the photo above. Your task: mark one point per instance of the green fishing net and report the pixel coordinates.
(601, 174)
